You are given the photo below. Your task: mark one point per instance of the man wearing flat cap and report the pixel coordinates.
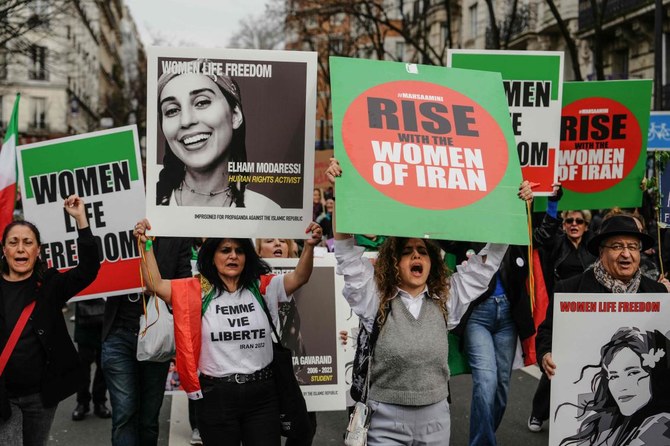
(617, 270)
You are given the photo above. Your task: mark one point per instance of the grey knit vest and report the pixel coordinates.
(409, 365)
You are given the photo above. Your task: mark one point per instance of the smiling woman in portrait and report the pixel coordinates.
(203, 123)
(630, 404)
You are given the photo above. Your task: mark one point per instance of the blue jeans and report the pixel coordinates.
(136, 390)
(29, 423)
(490, 343)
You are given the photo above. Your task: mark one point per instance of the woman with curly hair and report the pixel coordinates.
(630, 404)
(406, 304)
(204, 128)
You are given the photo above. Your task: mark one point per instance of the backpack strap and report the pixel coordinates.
(15, 335)
(255, 290)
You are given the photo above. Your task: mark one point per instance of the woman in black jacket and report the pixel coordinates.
(44, 367)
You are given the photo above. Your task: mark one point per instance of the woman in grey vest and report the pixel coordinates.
(407, 298)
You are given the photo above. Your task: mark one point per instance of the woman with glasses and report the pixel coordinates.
(564, 255)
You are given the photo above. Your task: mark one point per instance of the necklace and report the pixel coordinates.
(204, 194)
(227, 199)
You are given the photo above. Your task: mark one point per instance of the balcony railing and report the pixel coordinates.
(615, 8)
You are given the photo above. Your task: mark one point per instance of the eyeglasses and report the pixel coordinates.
(619, 247)
(571, 220)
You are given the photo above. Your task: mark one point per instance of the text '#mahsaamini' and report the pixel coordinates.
(234, 69)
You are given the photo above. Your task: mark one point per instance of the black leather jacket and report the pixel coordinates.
(556, 247)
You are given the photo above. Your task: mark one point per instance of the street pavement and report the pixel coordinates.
(174, 429)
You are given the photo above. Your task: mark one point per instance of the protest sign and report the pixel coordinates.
(658, 137)
(603, 146)
(533, 83)
(612, 369)
(230, 142)
(425, 149)
(310, 329)
(105, 170)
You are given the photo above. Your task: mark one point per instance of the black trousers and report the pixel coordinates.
(88, 356)
(231, 413)
(541, 399)
(304, 441)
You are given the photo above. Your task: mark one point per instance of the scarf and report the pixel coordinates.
(615, 285)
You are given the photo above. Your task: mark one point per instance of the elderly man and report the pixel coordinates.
(617, 270)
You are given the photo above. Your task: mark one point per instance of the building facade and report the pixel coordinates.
(72, 67)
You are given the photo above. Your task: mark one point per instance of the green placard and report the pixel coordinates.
(426, 152)
(533, 82)
(74, 154)
(603, 144)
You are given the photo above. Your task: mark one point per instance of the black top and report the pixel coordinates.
(571, 266)
(25, 366)
(62, 373)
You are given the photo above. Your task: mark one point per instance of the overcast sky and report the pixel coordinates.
(206, 23)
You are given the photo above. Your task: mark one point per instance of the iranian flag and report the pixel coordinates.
(8, 168)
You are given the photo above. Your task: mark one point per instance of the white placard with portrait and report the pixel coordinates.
(230, 142)
(612, 369)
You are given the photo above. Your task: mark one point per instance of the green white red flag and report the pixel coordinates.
(8, 168)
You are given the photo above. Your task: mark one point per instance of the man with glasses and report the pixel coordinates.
(617, 270)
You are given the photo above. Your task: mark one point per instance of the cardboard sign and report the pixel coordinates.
(603, 148)
(424, 149)
(104, 169)
(612, 368)
(533, 83)
(230, 142)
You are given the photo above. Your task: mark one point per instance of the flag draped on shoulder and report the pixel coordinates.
(8, 168)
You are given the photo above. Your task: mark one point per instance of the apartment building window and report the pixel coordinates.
(38, 69)
(620, 64)
(40, 13)
(39, 7)
(399, 50)
(337, 46)
(3, 64)
(473, 20)
(444, 32)
(38, 113)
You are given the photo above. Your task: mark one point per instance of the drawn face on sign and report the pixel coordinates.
(600, 144)
(628, 382)
(424, 145)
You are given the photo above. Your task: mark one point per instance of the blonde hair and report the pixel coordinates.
(586, 214)
(289, 242)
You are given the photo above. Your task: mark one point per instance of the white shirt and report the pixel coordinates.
(413, 304)
(468, 282)
(236, 334)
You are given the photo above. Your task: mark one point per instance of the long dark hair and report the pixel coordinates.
(172, 175)
(254, 266)
(606, 416)
(387, 273)
(40, 266)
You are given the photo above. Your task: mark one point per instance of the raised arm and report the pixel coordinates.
(472, 279)
(150, 272)
(332, 172)
(73, 281)
(298, 277)
(544, 235)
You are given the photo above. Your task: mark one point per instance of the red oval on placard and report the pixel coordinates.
(425, 145)
(600, 144)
